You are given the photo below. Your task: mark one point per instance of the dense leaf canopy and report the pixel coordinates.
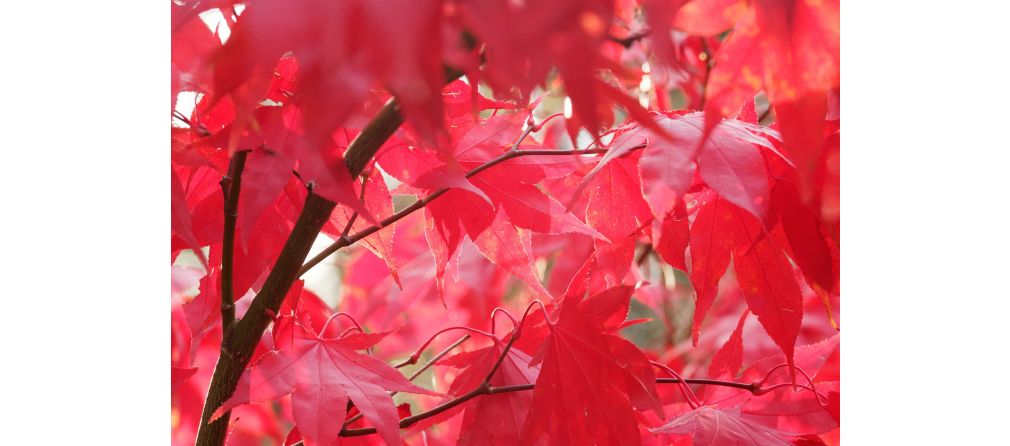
(551, 222)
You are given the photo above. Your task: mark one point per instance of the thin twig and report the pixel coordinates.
(506, 313)
(181, 117)
(530, 128)
(418, 372)
(354, 216)
(322, 331)
(336, 246)
(438, 356)
(412, 359)
(692, 399)
(487, 390)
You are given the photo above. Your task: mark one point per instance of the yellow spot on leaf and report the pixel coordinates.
(592, 24)
(753, 80)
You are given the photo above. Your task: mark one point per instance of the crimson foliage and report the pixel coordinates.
(562, 167)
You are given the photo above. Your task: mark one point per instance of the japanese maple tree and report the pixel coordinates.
(505, 222)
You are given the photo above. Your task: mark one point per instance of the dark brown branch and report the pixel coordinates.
(378, 130)
(236, 353)
(428, 199)
(231, 186)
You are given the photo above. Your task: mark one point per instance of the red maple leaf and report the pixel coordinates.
(728, 360)
(729, 160)
(722, 231)
(711, 426)
(789, 48)
(297, 87)
(321, 374)
(794, 410)
(489, 206)
(379, 203)
(493, 419)
(591, 380)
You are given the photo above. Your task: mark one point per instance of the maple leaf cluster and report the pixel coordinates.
(581, 222)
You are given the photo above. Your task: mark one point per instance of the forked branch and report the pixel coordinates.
(237, 351)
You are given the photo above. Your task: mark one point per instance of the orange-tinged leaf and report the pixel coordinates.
(789, 49)
(767, 281)
(709, 17)
(803, 229)
(711, 247)
(616, 209)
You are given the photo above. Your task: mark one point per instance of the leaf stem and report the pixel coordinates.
(821, 398)
(326, 324)
(506, 313)
(692, 399)
(438, 356)
(543, 309)
(417, 353)
(354, 215)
